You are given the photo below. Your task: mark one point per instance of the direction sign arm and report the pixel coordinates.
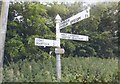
(76, 18)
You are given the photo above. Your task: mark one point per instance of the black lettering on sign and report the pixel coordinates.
(37, 42)
(75, 37)
(86, 15)
(64, 23)
(75, 20)
(44, 43)
(80, 38)
(63, 35)
(87, 11)
(69, 36)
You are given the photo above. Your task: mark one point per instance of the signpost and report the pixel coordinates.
(73, 37)
(58, 61)
(56, 43)
(76, 18)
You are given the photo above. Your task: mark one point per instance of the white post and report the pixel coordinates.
(3, 28)
(58, 61)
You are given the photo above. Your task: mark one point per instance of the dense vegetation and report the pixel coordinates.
(38, 20)
(73, 70)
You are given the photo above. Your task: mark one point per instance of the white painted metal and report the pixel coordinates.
(58, 60)
(45, 42)
(76, 18)
(73, 37)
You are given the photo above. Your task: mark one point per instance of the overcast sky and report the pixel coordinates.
(76, 0)
(87, 1)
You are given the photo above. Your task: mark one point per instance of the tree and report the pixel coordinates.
(37, 20)
(26, 21)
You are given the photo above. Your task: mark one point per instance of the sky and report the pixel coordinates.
(71, 1)
(87, 1)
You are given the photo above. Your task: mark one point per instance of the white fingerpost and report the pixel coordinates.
(58, 61)
(56, 43)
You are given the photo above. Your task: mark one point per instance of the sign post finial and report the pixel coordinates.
(58, 18)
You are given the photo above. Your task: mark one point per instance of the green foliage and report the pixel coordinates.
(74, 69)
(29, 63)
(54, 9)
(22, 32)
(37, 20)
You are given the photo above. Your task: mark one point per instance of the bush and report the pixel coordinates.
(74, 69)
